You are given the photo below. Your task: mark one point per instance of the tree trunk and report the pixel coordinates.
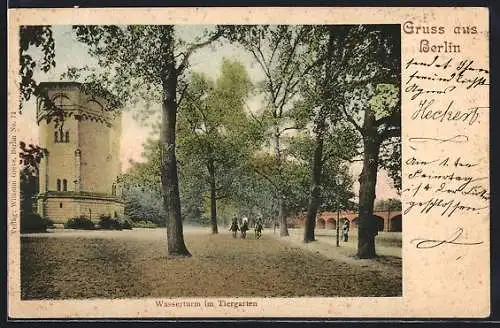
(315, 196)
(317, 161)
(282, 216)
(281, 196)
(367, 225)
(169, 177)
(213, 197)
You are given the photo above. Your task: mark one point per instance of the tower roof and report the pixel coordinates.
(91, 89)
(108, 106)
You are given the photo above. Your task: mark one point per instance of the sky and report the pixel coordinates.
(208, 60)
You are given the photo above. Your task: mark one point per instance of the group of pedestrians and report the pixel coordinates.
(244, 227)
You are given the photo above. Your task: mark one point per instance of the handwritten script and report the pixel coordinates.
(454, 239)
(442, 175)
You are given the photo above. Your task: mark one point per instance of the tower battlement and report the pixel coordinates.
(77, 103)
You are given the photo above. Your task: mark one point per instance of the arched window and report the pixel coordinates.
(58, 184)
(56, 137)
(67, 136)
(113, 190)
(65, 185)
(60, 205)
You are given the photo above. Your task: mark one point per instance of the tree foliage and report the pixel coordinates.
(33, 39)
(334, 166)
(30, 157)
(30, 37)
(330, 94)
(145, 62)
(280, 53)
(371, 104)
(390, 204)
(215, 134)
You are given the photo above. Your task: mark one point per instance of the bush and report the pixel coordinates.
(144, 224)
(126, 225)
(107, 223)
(48, 222)
(81, 222)
(34, 223)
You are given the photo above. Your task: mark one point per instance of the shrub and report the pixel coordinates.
(81, 222)
(125, 224)
(107, 223)
(145, 224)
(32, 222)
(48, 222)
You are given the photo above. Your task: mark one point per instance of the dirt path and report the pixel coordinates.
(388, 262)
(132, 264)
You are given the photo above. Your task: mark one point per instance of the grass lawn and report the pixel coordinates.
(133, 264)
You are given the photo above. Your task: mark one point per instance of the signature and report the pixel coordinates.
(456, 139)
(431, 243)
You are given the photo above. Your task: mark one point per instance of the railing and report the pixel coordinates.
(69, 109)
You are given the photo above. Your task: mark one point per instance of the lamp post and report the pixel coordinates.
(338, 181)
(338, 224)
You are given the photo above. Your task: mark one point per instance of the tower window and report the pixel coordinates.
(65, 185)
(113, 190)
(56, 137)
(66, 136)
(60, 205)
(58, 184)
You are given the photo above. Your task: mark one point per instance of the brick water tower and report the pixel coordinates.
(79, 172)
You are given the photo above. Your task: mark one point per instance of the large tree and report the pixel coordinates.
(371, 104)
(319, 109)
(327, 193)
(279, 52)
(214, 130)
(146, 61)
(297, 173)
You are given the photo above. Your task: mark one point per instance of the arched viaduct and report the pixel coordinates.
(387, 220)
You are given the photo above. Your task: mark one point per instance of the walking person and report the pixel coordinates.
(258, 229)
(234, 227)
(345, 230)
(244, 227)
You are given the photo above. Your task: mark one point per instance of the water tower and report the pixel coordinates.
(78, 175)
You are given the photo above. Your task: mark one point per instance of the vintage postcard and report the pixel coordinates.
(248, 163)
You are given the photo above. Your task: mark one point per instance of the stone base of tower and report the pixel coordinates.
(62, 206)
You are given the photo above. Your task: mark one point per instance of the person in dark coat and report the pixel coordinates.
(258, 229)
(345, 230)
(244, 228)
(234, 227)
